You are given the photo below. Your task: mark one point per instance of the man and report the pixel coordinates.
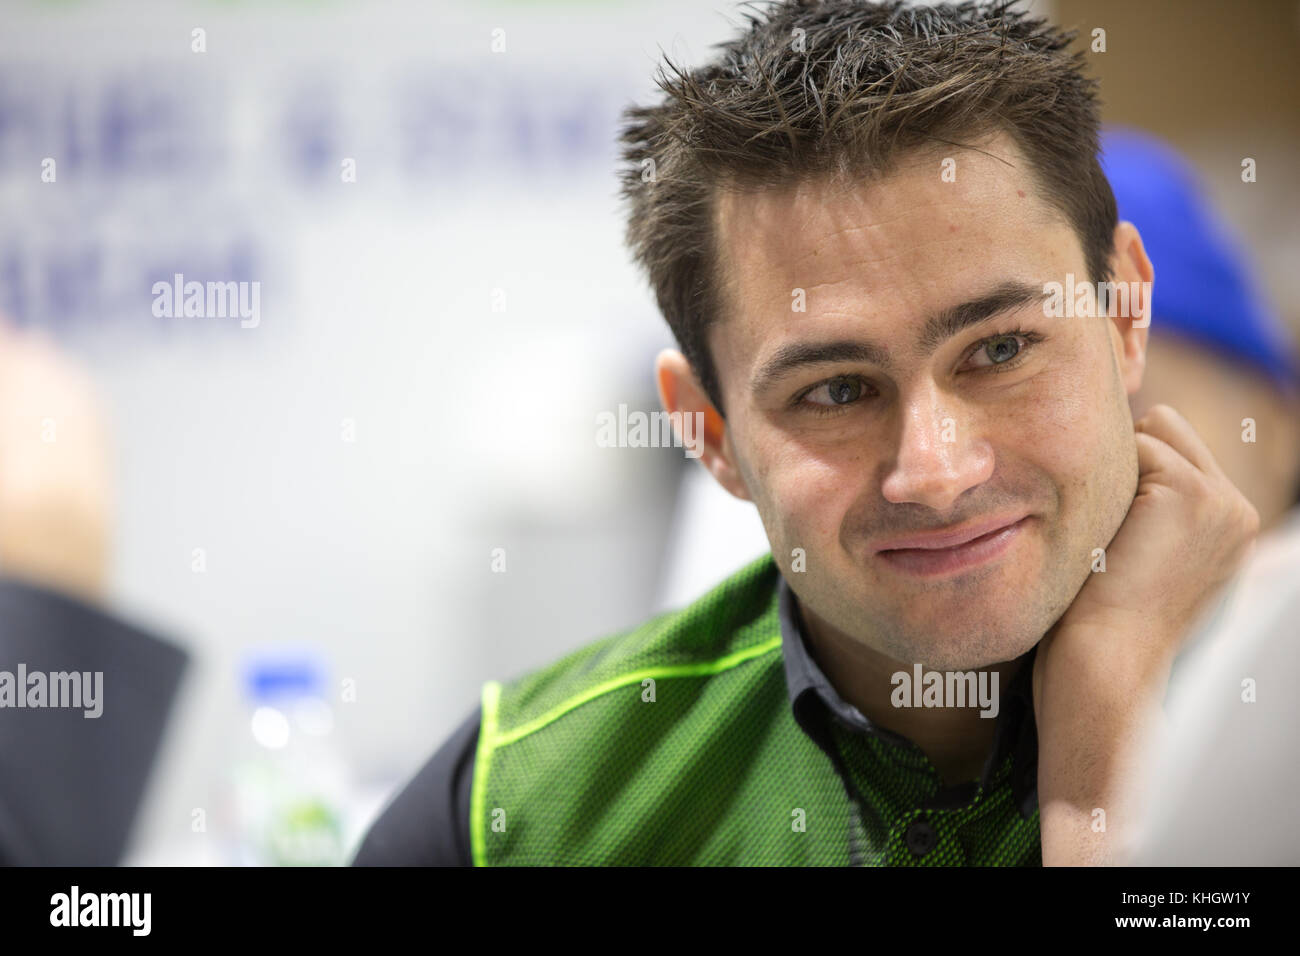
(851, 220)
(1219, 353)
(71, 777)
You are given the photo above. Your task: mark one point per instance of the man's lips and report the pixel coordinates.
(950, 537)
(953, 550)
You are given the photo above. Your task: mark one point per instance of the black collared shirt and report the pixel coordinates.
(427, 823)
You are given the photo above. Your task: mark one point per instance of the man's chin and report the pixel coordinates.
(971, 652)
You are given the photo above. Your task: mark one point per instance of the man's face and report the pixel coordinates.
(851, 428)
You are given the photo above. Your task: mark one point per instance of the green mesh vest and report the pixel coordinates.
(675, 744)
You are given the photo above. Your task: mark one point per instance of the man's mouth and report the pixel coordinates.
(946, 551)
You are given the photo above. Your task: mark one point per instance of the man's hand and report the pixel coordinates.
(1100, 674)
(54, 476)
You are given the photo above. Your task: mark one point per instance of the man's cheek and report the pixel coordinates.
(1058, 425)
(809, 512)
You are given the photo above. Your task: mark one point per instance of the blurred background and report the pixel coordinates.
(425, 193)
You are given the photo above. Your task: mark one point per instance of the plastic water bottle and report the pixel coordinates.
(290, 784)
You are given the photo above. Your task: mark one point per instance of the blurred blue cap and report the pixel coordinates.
(1204, 289)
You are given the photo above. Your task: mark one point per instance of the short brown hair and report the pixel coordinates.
(847, 86)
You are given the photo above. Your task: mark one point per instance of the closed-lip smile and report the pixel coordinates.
(952, 549)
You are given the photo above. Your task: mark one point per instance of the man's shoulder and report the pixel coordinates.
(734, 621)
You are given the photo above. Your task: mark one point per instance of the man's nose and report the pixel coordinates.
(939, 455)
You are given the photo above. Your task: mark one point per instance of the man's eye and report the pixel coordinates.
(999, 350)
(838, 391)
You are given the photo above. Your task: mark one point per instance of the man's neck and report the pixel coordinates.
(957, 740)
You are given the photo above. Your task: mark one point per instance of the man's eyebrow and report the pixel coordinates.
(798, 354)
(938, 328)
(944, 325)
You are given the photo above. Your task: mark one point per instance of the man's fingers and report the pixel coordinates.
(1155, 456)
(1160, 460)
(1165, 423)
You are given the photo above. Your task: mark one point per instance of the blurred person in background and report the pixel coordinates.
(1217, 353)
(1224, 772)
(84, 696)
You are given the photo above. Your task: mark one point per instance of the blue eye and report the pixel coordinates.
(837, 391)
(1005, 348)
(1001, 349)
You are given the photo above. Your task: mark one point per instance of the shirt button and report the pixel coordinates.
(921, 837)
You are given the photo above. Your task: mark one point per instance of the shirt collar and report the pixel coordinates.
(812, 698)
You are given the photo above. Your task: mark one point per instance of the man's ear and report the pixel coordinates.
(708, 437)
(1133, 268)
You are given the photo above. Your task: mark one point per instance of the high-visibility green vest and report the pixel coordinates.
(674, 744)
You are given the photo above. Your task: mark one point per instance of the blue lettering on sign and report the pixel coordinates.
(150, 183)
